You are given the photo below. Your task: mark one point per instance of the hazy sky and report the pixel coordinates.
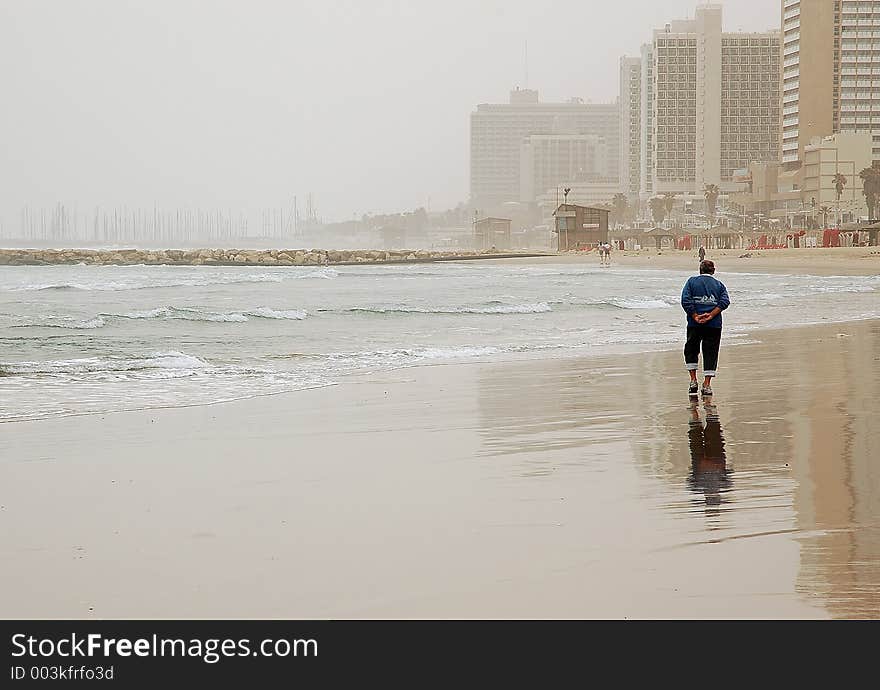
(244, 104)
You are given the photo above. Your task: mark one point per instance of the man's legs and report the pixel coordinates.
(711, 345)
(692, 351)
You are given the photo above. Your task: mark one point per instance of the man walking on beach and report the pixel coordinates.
(703, 299)
(702, 252)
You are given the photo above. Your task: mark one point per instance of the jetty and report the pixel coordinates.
(242, 257)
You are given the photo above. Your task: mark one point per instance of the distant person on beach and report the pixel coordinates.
(703, 299)
(604, 254)
(702, 252)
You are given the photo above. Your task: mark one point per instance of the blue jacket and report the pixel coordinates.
(701, 294)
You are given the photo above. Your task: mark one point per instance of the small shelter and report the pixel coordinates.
(661, 237)
(492, 233)
(873, 231)
(580, 227)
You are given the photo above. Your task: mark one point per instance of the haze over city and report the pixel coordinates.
(214, 105)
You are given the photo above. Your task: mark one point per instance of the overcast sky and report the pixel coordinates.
(243, 104)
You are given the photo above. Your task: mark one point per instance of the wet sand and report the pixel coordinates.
(586, 488)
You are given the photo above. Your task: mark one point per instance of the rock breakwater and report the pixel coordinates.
(236, 257)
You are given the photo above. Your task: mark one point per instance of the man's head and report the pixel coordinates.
(707, 266)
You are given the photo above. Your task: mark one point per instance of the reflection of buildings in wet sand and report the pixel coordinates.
(838, 496)
(807, 441)
(801, 430)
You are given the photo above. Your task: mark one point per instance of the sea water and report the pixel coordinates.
(90, 339)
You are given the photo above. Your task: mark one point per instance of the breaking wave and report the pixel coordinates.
(490, 308)
(157, 365)
(288, 314)
(64, 322)
(192, 314)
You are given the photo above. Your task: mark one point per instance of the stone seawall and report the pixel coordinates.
(235, 257)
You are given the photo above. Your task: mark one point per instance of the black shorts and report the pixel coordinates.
(710, 340)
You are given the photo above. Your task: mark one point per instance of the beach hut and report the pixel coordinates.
(580, 227)
(863, 233)
(492, 233)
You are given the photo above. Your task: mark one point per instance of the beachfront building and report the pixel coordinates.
(846, 153)
(808, 75)
(831, 79)
(580, 227)
(553, 160)
(498, 131)
(492, 233)
(772, 195)
(630, 102)
(715, 103)
(646, 123)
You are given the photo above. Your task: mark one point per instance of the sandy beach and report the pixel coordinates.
(815, 261)
(563, 488)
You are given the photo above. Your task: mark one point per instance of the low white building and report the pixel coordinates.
(847, 153)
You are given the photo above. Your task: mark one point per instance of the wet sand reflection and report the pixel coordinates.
(796, 460)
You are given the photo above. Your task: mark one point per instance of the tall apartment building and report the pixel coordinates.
(630, 102)
(646, 123)
(857, 62)
(831, 72)
(750, 102)
(715, 102)
(809, 90)
(498, 131)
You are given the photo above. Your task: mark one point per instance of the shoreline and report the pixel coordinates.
(813, 260)
(516, 489)
(737, 340)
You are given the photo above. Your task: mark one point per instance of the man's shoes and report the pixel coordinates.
(692, 389)
(707, 391)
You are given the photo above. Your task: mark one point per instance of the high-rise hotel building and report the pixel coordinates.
(715, 103)
(646, 122)
(630, 102)
(831, 72)
(500, 131)
(810, 82)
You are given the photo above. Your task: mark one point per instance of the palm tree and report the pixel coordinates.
(620, 206)
(839, 181)
(824, 211)
(668, 203)
(871, 188)
(711, 192)
(658, 208)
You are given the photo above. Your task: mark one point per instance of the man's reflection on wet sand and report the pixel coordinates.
(709, 474)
